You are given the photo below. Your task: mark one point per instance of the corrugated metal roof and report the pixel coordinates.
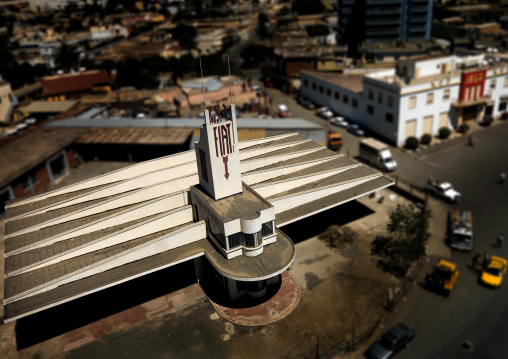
(273, 123)
(139, 136)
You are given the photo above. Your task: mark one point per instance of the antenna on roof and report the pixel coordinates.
(202, 80)
(229, 69)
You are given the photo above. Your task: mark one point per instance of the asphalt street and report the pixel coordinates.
(472, 313)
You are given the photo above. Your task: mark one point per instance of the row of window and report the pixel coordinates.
(388, 115)
(336, 95)
(389, 98)
(429, 99)
(250, 240)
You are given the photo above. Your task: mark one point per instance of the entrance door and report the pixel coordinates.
(427, 124)
(469, 113)
(411, 128)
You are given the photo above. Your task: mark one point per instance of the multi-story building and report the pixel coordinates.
(420, 96)
(384, 19)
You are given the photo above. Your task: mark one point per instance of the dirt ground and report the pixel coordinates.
(343, 296)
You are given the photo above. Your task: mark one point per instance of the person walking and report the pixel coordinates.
(486, 259)
(500, 240)
(502, 177)
(476, 261)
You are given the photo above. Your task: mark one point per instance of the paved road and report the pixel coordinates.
(473, 312)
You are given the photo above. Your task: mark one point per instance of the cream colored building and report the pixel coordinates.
(219, 205)
(7, 102)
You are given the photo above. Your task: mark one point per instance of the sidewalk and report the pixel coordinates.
(456, 139)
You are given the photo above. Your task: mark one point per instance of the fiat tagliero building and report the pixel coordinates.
(219, 205)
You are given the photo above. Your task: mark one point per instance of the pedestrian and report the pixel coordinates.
(476, 261)
(470, 141)
(486, 259)
(500, 240)
(502, 177)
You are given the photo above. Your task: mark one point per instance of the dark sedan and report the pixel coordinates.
(355, 129)
(306, 103)
(390, 343)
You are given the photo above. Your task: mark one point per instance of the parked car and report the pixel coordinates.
(268, 82)
(492, 275)
(339, 121)
(324, 112)
(356, 130)
(283, 111)
(30, 121)
(306, 103)
(444, 190)
(256, 88)
(390, 343)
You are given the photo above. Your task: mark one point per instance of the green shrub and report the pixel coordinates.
(426, 139)
(463, 128)
(338, 237)
(412, 143)
(444, 132)
(486, 120)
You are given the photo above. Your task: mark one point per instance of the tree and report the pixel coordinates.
(318, 30)
(262, 19)
(338, 237)
(306, 7)
(66, 58)
(405, 242)
(185, 35)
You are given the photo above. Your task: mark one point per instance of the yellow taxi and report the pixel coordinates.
(493, 273)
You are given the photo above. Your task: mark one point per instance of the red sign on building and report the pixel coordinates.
(472, 85)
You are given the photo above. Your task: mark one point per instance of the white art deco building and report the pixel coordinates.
(219, 205)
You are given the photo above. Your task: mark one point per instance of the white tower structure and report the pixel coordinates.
(217, 153)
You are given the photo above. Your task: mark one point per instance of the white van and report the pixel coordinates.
(377, 154)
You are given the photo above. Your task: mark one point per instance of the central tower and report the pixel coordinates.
(217, 153)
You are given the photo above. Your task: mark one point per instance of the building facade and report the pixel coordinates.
(419, 97)
(384, 19)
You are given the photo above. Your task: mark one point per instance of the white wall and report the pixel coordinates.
(422, 109)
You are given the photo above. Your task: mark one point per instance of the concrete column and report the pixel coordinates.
(198, 266)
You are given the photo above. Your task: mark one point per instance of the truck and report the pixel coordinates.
(461, 229)
(443, 190)
(442, 278)
(334, 141)
(377, 154)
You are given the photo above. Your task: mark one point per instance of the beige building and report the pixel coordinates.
(219, 205)
(7, 102)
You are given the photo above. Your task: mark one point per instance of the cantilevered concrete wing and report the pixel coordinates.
(91, 235)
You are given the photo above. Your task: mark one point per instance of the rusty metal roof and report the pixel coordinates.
(140, 136)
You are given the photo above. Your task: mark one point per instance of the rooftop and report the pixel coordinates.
(136, 135)
(48, 106)
(245, 205)
(36, 146)
(73, 82)
(350, 82)
(274, 123)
